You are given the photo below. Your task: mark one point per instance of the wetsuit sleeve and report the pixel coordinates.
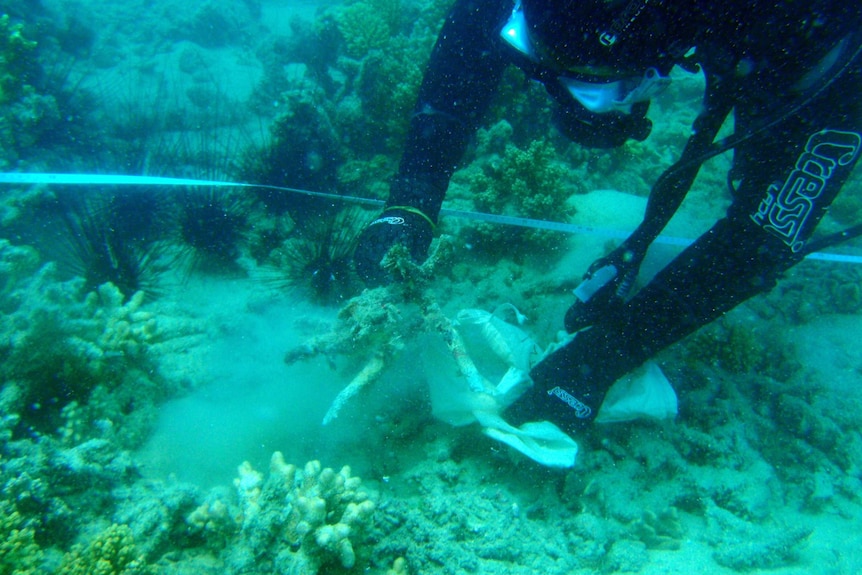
(674, 184)
(789, 175)
(461, 77)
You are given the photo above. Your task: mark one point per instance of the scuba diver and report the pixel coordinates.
(789, 71)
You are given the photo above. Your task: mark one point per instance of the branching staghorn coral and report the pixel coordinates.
(375, 326)
(373, 322)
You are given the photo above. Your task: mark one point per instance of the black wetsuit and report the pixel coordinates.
(759, 58)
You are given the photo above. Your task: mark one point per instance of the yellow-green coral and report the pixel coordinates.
(399, 567)
(367, 178)
(391, 60)
(19, 553)
(112, 552)
(525, 182)
(734, 346)
(398, 74)
(14, 52)
(368, 25)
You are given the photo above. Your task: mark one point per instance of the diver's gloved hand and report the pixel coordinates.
(561, 393)
(406, 226)
(606, 284)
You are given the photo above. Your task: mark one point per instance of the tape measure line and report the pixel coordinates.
(125, 180)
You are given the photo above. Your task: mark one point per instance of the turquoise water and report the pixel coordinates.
(169, 355)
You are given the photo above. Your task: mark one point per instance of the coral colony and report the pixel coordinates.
(128, 313)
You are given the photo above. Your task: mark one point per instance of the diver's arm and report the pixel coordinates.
(673, 185)
(670, 189)
(609, 278)
(460, 80)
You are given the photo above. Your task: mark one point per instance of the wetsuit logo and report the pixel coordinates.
(784, 211)
(582, 410)
(391, 220)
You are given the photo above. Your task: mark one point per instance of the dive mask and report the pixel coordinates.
(595, 89)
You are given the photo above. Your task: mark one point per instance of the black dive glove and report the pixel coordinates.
(406, 226)
(570, 384)
(562, 393)
(606, 284)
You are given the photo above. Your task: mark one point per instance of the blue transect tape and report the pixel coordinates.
(123, 180)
